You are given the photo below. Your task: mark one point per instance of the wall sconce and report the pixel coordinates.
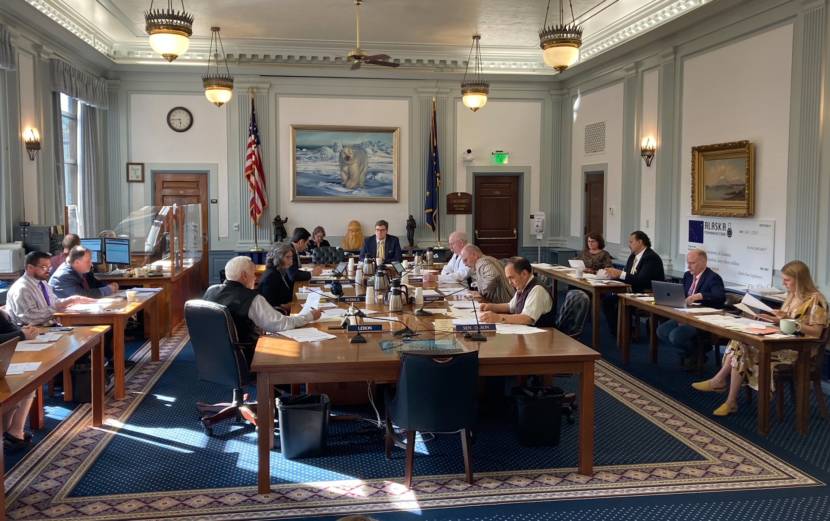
(31, 137)
(647, 150)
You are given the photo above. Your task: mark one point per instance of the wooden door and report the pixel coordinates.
(496, 215)
(169, 189)
(594, 202)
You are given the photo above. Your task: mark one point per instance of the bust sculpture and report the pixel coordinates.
(353, 240)
(279, 228)
(410, 231)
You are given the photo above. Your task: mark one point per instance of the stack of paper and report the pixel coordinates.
(698, 310)
(32, 345)
(307, 334)
(21, 368)
(47, 338)
(463, 304)
(543, 265)
(332, 315)
(517, 329)
(752, 306)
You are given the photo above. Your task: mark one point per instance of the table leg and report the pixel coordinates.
(595, 318)
(154, 329)
(624, 334)
(36, 410)
(118, 357)
(97, 384)
(555, 294)
(763, 389)
(265, 431)
(67, 384)
(802, 390)
(586, 419)
(2, 479)
(652, 337)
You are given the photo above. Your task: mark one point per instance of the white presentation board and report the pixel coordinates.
(742, 251)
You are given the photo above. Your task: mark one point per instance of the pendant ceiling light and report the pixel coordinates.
(561, 42)
(169, 30)
(475, 90)
(218, 85)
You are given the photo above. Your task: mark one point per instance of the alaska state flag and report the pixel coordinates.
(433, 176)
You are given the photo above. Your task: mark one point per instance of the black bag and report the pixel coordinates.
(303, 424)
(538, 415)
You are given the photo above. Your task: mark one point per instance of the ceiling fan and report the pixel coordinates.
(358, 56)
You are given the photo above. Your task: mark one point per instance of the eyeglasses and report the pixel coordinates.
(44, 267)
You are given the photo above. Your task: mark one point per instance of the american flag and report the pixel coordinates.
(253, 170)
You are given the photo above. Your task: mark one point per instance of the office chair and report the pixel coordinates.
(327, 255)
(435, 393)
(219, 360)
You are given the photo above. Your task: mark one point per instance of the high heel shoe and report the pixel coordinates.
(725, 410)
(706, 386)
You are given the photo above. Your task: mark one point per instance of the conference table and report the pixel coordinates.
(115, 313)
(765, 344)
(56, 358)
(279, 360)
(596, 288)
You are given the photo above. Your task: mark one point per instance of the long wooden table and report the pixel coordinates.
(764, 344)
(117, 317)
(596, 291)
(53, 360)
(279, 360)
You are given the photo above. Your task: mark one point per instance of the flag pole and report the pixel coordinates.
(256, 221)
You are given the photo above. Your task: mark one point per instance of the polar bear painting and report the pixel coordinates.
(341, 165)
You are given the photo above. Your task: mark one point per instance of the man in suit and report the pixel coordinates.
(704, 287)
(299, 242)
(643, 266)
(74, 277)
(382, 245)
(69, 241)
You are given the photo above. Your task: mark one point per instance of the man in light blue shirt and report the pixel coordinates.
(455, 270)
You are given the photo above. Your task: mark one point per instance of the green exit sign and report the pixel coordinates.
(499, 157)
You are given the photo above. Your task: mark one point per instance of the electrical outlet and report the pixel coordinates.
(236, 227)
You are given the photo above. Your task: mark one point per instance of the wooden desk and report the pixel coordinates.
(595, 291)
(279, 360)
(178, 289)
(764, 344)
(117, 317)
(53, 360)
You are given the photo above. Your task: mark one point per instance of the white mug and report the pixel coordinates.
(578, 272)
(405, 264)
(788, 326)
(370, 296)
(351, 265)
(419, 296)
(132, 295)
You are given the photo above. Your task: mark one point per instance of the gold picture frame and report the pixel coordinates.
(332, 163)
(723, 179)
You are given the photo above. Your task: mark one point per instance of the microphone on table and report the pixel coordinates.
(477, 336)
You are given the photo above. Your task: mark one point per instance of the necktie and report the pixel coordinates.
(84, 282)
(694, 285)
(380, 250)
(45, 293)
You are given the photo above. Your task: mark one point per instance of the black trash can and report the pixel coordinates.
(538, 415)
(303, 421)
(82, 380)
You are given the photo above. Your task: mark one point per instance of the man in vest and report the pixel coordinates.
(532, 305)
(250, 311)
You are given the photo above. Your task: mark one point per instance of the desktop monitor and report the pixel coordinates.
(118, 251)
(95, 246)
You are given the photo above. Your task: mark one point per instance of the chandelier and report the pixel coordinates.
(218, 85)
(169, 30)
(474, 91)
(560, 43)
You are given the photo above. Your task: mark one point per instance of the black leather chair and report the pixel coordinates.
(327, 255)
(219, 360)
(435, 393)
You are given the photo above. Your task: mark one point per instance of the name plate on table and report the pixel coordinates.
(466, 328)
(352, 298)
(365, 328)
(433, 298)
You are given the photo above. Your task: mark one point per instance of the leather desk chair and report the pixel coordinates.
(219, 360)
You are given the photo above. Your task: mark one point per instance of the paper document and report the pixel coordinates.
(32, 345)
(21, 368)
(755, 303)
(517, 329)
(306, 334)
(544, 265)
(431, 293)
(147, 290)
(46, 338)
(329, 315)
(464, 321)
(576, 263)
(463, 304)
(698, 310)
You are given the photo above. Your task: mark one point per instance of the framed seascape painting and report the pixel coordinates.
(344, 164)
(723, 179)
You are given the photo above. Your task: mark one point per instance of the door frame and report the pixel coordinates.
(523, 173)
(595, 168)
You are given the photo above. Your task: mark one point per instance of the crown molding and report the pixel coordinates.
(64, 16)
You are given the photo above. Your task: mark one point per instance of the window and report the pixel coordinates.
(71, 154)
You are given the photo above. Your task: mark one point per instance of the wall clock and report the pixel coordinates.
(179, 119)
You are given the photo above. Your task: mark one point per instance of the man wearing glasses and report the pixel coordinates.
(455, 270)
(382, 245)
(31, 300)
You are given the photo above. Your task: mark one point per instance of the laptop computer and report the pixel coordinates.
(340, 269)
(669, 294)
(6, 352)
(398, 267)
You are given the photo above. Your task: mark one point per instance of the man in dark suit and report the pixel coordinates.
(643, 266)
(299, 241)
(381, 245)
(74, 277)
(704, 287)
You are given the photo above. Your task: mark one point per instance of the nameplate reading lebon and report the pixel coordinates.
(365, 328)
(352, 298)
(466, 328)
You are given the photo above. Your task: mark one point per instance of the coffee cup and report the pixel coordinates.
(788, 326)
(370, 296)
(578, 272)
(351, 265)
(419, 296)
(132, 295)
(405, 264)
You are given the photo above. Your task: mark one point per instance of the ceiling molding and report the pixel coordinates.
(77, 25)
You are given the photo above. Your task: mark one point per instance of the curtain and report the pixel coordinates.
(78, 84)
(11, 183)
(59, 192)
(7, 55)
(91, 169)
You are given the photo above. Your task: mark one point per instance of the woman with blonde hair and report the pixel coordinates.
(804, 304)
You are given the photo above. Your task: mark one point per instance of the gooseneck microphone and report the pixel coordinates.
(477, 336)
